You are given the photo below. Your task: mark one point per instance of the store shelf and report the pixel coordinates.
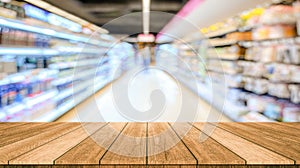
(232, 57)
(222, 32)
(28, 51)
(28, 103)
(67, 106)
(18, 25)
(269, 42)
(78, 76)
(34, 51)
(220, 101)
(221, 42)
(19, 77)
(223, 71)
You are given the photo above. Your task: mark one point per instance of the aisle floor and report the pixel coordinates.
(137, 95)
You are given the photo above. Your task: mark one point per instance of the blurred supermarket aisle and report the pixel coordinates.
(179, 101)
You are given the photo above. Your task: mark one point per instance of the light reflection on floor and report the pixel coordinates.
(141, 85)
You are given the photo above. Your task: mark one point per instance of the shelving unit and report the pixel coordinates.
(19, 25)
(260, 74)
(48, 70)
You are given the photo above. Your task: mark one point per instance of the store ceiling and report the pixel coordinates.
(206, 13)
(120, 16)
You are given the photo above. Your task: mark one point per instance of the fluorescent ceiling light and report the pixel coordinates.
(146, 16)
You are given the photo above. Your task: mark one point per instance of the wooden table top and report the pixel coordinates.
(150, 144)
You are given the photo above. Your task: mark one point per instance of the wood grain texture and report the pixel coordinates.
(23, 131)
(295, 125)
(76, 166)
(252, 153)
(13, 150)
(273, 130)
(222, 166)
(206, 151)
(272, 136)
(47, 153)
(99, 142)
(129, 144)
(165, 147)
(28, 166)
(5, 126)
(173, 166)
(236, 145)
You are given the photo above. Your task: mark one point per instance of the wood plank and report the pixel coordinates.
(208, 151)
(278, 139)
(165, 147)
(28, 166)
(252, 153)
(13, 150)
(222, 166)
(273, 166)
(98, 142)
(107, 166)
(273, 129)
(172, 166)
(76, 166)
(131, 143)
(47, 153)
(24, 131)
(5, 126)
(295, 125)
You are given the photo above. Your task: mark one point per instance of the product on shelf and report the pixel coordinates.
(274, 110)
(253, 69)
(283, 73)
(278, 14)
(233, 52)
(264, 76)
(33, 86)
(254, 117)
(295, 93)
(259, 103)
(296, 6)
(237, 96)
(227, 67)
(279, 90)
(240, 36)
(258, 86)
(291, 113)
(12, 37)
(8, 66)
(19, 88)
(11, 10)
(273, 32)
(234, 81)
(289, 54)
(251, 18)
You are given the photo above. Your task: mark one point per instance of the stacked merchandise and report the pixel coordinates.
(260, 60)
(255, 57)
(190, 60)
(46, 67)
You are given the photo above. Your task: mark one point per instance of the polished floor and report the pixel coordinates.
(144, 96)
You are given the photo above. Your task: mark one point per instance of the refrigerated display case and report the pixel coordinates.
(46, 67)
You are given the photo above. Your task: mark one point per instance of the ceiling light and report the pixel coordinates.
(146, 16)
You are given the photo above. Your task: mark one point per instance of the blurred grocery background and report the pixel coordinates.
(239, 58)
